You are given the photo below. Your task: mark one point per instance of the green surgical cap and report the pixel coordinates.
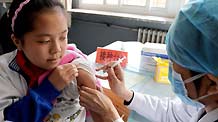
(192, 40)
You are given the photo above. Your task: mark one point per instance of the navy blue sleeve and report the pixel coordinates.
(33, 107)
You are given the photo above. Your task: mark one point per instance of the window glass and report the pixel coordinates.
(158, 3)
(112, 2)
(92, 1)
(135, 2)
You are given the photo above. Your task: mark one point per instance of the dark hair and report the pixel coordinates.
(24, 21)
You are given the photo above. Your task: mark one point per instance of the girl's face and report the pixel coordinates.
(46, 44)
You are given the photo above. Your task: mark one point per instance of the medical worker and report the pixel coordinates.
(192, 43)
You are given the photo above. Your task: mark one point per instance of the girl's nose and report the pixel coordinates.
(55, 47)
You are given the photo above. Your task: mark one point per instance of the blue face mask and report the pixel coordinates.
(178, 87)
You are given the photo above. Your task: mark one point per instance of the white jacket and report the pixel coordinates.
(169, 110)
(13, 86)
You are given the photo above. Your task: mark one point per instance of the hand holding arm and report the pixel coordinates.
(63, 75)
(98, 102)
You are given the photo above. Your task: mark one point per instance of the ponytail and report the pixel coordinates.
(5, 35)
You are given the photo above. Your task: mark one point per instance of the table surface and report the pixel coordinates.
(139, 81)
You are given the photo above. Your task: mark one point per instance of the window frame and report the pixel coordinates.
(171, 9)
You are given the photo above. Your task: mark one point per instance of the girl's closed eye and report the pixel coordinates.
(43, 41)
(63, 38)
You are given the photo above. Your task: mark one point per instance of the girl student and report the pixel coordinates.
(39, 80)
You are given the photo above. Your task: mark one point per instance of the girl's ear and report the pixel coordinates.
(16, 41)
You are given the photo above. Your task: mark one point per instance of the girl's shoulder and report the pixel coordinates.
(6, 58)
(8, 68)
